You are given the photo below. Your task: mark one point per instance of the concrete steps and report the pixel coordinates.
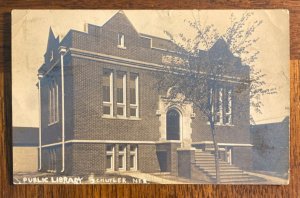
(205, 162)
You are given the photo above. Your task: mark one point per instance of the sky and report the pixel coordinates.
(30, 30)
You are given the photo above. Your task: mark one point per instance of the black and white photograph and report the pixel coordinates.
(150, 96)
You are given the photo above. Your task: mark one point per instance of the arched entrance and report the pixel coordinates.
(173, 125)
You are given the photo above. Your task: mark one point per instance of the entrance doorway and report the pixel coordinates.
(173, 125)
(163, 161)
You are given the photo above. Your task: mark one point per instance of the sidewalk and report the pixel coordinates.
(270, 179)
(151, 178)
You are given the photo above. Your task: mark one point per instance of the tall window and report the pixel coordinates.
(121, 41)
(107, 92)
(134, 95)
(121, 94)
(122, 157)
(115, 91)
(110, 157)
(133, 157)
(228, 106)
(53, 102)
(222, 105)
(219, 106)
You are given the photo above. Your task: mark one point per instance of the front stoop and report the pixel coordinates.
(205, 163)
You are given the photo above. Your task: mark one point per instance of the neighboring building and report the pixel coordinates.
(25, 149)
(100, 111)
(271, 147)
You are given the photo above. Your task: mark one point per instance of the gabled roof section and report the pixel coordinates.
(52, 41)
(220, 53)
(120, 17)
(221, 48)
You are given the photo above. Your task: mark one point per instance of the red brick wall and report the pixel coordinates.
(91, 158)
(239, 132)
(88, 121)
(87, 158)
(53, 133)
(147, 159)
(105, 40)
(50, 133)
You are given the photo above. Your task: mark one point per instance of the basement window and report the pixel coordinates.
(122, 157)
(133, 157)
(110, 157)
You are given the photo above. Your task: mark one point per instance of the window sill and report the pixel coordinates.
(218, 124)
(53, 123)
(170, 141)
(120, 118)
(121, 47)
(108, 116)
(134, 118)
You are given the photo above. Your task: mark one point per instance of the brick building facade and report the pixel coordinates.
(100, 111)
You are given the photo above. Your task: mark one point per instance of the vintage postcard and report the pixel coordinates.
(160, 96)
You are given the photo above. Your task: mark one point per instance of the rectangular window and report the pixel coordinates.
(131, 161)
(110, 157)
(121, 94)
(53, 103)
(50, 105)
(53, 99)
(120, 111)
(119, 86)
(134, 95)
(219, 106)
(57, 105)
(222, 108)
(107, 88)
(121, 161)
(121, 41)
(52, 163)
(106, 93)
(122, 157)
(228, 106)
(132, 111)
(109, 162)
(133, 157)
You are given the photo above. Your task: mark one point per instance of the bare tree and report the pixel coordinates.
(209, 61)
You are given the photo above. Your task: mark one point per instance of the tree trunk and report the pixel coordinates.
(211, 119)
(216, 154)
